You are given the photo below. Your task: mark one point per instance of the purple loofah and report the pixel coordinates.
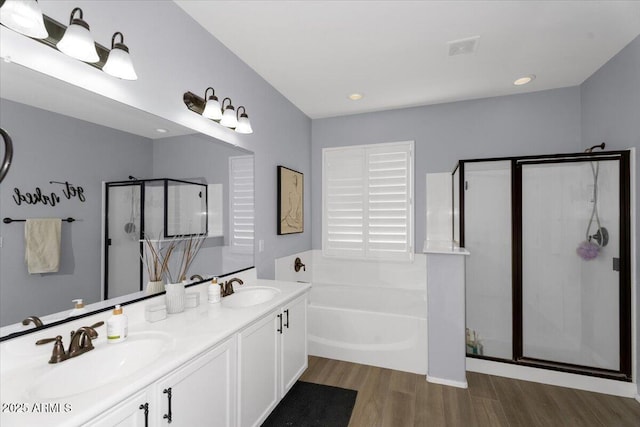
(587, 250)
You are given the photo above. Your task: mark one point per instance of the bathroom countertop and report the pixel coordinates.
(192, 332)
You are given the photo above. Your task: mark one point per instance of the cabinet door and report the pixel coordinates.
(202, 393)
(133, 412)
(258, 370)
(294, 359)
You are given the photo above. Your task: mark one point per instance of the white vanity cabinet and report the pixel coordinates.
(272, 356)
(133, 412)
(293, 343)
(202, 393)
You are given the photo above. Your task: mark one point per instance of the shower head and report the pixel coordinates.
(590, 149)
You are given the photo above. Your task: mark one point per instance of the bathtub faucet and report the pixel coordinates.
(297, 265)
(227, 288)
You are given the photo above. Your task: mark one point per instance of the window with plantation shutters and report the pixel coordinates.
(367, 198)
(241, 201)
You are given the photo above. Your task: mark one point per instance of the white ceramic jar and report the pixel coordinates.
(175, 297)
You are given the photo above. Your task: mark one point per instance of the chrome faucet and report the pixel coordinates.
(32, 319)
(227, 288)
(80, 343)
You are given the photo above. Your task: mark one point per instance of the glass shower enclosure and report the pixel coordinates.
(548, 279)
(154, 209)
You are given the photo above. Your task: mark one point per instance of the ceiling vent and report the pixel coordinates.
(464, 46)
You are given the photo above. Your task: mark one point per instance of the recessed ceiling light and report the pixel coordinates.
(161, 130)
(524, 80)
(356, 96)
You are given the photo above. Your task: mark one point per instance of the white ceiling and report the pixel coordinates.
(396, 52)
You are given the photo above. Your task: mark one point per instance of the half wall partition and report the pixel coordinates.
(548, 280)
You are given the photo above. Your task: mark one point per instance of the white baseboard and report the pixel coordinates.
(442, 381)
(546, 376)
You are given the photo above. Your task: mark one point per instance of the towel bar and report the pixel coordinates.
(10, 220)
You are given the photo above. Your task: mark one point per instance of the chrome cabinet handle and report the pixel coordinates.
(8, 154)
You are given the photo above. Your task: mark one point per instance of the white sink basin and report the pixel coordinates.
(104, 364)
(250, 296)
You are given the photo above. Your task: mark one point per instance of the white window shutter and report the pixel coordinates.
(343, 194)
(367, 201)
(389, 199)
(241, 198)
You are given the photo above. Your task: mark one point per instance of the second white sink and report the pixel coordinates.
(251, 296)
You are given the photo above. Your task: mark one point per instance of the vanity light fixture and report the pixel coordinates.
(25, 17)
(77, 41)
(244, 125)
(119, 62)
(212, 109)
(224, 114)
(228, 115)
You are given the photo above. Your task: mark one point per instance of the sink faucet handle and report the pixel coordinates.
(97, 325)
(58, 354)
(48, 340)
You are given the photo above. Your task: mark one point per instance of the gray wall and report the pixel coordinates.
(52, 147)
(611, 113)
(206, 161)
(534, 123)
(174, 54)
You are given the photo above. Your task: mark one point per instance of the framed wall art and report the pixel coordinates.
(290, 201)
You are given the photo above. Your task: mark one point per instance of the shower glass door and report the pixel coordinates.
(570, 261)
(487, 236)
(123, 234)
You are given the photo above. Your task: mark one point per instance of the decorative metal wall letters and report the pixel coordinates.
(69, 191)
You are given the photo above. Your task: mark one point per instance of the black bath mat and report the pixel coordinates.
(313, 405)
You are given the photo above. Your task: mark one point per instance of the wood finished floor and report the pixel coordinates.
(388, 398)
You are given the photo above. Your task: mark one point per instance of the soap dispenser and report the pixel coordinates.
(213, 292)
(78, 309)
(117, 326)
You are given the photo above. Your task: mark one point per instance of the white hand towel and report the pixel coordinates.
(42, 244)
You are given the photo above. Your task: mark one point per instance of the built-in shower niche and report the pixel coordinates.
(138, 210)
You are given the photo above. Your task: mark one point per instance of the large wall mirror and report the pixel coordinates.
(68, 143)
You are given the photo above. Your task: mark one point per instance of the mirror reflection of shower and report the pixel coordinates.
(590, 247)
(130, 226)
